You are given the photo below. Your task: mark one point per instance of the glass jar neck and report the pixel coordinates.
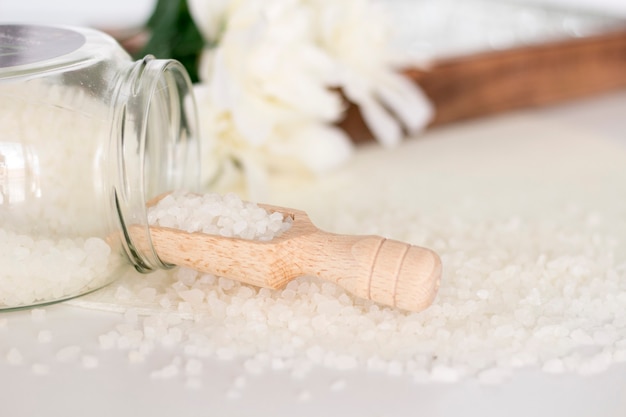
(154, 150)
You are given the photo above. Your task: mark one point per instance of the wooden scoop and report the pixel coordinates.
(371, 267)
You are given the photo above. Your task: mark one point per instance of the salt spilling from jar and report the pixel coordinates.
(86, 137)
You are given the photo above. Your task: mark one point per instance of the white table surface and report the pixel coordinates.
(119, 388)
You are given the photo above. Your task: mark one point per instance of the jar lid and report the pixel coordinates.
(29, 44)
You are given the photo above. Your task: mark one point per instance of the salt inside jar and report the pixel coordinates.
(87, 136)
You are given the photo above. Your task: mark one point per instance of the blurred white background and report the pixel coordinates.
(109, 13)
(124, 13)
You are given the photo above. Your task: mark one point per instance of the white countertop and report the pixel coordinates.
(72, 384)
(118, 387)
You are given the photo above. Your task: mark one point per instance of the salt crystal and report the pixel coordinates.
(90, 361)
(147, 294)
(244, 292)
(193, 367)
(185, 308)
(522, 359)
(179, 287)
(603, 338)
(68, 353)
(581, 337)
(554, 366)
(619, 356)
(225, 354)
(338, 385)
(497, 310)
(278, 364)
(239, 227)
(376, 363)
(288, 294)
(596, 364)
(14, 357)
(167, 372)
(226, 284)
(228, 215)
(123, 294)
(193, 296)
(482, 294)
(304, 396)
(187, 276)
(301, 369)
(134, 356)
(123, 342)
(240, 382)
(172, 338)
(442, 373)
(315, 353)
(108, 340)
(165, 302)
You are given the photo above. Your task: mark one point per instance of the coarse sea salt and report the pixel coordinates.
(338, 385)
(68, 353)
(51, 243)
(534, 275)
(14, 357)
(193, 367)
(212, 213)
(46, 271)
(463, 334)
(304, 396)
(89, 361)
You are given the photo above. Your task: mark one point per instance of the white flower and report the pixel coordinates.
(231, 162)
(269, 95)
(209, 16)
(357, 36)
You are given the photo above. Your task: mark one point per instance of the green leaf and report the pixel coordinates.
(174, 35)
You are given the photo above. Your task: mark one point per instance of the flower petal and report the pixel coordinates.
(384, 127)
(209, 17)
(406, 100)
(319, 147)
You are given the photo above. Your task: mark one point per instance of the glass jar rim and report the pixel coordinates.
(154, 131)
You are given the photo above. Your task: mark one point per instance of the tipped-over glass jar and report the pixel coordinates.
(87, 137)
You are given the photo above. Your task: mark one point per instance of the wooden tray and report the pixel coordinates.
(488, 83)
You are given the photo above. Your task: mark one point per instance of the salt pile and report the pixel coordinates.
(212, 213)
(540, 289)
(497, 310)
(51, 243)
(39, 269)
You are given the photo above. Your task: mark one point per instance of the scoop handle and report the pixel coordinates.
(375, 268)
(371, 267)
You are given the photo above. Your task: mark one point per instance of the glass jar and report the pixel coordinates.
(87, 137)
